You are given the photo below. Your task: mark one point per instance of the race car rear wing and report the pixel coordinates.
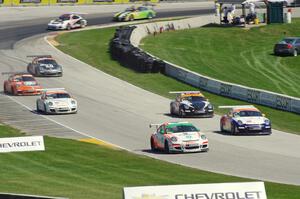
(237, 106)
(40, 56)
(185, 92)
(158, 125)
(16, 73)
(50, 89)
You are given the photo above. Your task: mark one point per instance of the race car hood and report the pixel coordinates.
(197, 104)
(56, 21)
(48, 67)
(186, 136)
(61, 102)
(251, 120)
(29, 83)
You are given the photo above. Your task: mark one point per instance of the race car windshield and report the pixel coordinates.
(27, 79)
(130, 9)
(64, 17)
(181, 129)
(288, 41)
(249, 114)
(194, 98)
(58, 95)
(48, 61)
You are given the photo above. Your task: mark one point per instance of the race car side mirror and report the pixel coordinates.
(264, 115)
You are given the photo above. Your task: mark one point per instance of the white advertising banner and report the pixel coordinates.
(244, 190)
(28, 143)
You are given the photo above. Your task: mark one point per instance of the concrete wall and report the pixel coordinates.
(227, 89)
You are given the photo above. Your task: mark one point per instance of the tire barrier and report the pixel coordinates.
(132, 57)
(251, 95)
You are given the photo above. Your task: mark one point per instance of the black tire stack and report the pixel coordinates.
(129, 56)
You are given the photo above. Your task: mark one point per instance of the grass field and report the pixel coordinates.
(92, 47)
(78, 170)
(235, 55)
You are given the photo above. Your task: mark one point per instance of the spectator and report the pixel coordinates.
(225, 17)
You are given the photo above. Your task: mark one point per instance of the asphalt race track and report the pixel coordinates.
(117, 112)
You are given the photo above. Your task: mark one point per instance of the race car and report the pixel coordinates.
(191, 103)
(20, 83)
(44, 65)
(56, 101)
(178, 137)
(132, 13)
(245, 119)
(67, 22)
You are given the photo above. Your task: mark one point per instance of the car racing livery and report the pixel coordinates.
(244, 119)
(20, 83)
(132, 13)
(44, 65)
(191, 103)
(178, 137)
(56, 101)
(67, 22)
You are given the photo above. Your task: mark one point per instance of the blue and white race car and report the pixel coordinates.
(245, 119)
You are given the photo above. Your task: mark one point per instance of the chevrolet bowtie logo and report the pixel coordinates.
(147, 196)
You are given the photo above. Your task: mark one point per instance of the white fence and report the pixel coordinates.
(252, 95)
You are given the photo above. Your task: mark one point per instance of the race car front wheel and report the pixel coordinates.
(167, 149)
(150, 16)
(295, 53)
(233, 129)
(152, 145)
(131, 18)
(82, 24)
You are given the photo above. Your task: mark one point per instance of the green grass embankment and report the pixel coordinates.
(92, 47)
(77, 170)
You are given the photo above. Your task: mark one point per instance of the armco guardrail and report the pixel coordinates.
(252, 95)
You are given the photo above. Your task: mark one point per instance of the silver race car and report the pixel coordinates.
(44, 65)
(56, 101)
(67, 22)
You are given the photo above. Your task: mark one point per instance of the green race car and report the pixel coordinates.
(133, 13)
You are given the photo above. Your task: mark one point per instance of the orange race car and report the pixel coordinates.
(21, 84)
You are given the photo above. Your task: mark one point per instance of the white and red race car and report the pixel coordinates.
(178, 137)
(67, 22)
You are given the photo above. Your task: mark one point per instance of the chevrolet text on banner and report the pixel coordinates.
(28, 143)
(244, 190)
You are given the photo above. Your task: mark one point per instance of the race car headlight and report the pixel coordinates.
(73, 102)
(186, 106)
(267, 122)
(203, 137)
(173, 139)
(240, 123)
(209, 106)
(50, 103)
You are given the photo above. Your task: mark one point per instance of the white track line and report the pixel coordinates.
(52, 120)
